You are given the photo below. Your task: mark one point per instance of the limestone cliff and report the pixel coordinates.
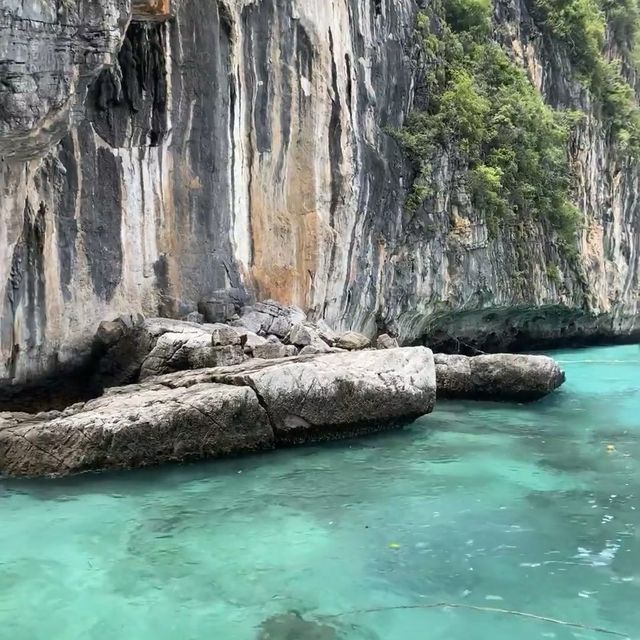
(157, 155)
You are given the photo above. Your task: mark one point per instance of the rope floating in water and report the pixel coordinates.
(470, 607)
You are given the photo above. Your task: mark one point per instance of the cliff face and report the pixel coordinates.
(223, 150)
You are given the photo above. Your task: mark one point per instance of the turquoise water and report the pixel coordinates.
(529, 508)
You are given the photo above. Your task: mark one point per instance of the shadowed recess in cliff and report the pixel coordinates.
(128, 103)
(521, 328)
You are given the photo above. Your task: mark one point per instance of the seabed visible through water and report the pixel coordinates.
(529, 508)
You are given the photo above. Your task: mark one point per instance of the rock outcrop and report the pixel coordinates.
(334, 395)
(241, 151)
(134, 427)
(221, 411)
(503, 377)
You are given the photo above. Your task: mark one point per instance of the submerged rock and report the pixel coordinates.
(291, 626)
(497, 377)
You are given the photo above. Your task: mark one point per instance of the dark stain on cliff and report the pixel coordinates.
(128, 104)
(287, 45)
(257, 20)
(335, 136)
(101, 215)
(202, 137)
(304, 66)
(66, 183)
(166, 306)
(25, 293)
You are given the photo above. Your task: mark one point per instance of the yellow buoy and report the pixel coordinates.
(610, 448)
(394, 545)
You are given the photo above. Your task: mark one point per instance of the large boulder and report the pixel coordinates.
(270, 317)
(133, 348)
(302, 335)
(385, 341)
(307, 337)
(222, 335)
(509, 377)
(326, 333)
(135, 426)
(270, 351)
(316, 347)
(336, 395)
(179, 351)
(352, 341)
(251, 340)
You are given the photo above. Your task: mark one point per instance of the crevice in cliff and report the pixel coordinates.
(335, 138)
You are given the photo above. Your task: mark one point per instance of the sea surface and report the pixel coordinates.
(496, 509)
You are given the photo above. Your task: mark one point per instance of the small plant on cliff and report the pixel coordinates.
(481, 104)
(553, 273)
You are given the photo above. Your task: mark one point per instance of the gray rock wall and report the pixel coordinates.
(239, 146)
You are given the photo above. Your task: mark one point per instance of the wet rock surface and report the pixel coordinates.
(497, 377)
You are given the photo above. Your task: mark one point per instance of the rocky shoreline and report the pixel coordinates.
(179, 390)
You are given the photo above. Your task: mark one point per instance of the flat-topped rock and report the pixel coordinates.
(497, 377)
(332, 395)
(212, 412)
(136, 426)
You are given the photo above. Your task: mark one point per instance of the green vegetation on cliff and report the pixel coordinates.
(481, 105)
(580, 27)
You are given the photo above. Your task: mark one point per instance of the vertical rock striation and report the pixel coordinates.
(156, 158)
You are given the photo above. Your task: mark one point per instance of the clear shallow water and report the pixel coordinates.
(515, 507)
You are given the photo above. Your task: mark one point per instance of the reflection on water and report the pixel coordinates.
(530, 508)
